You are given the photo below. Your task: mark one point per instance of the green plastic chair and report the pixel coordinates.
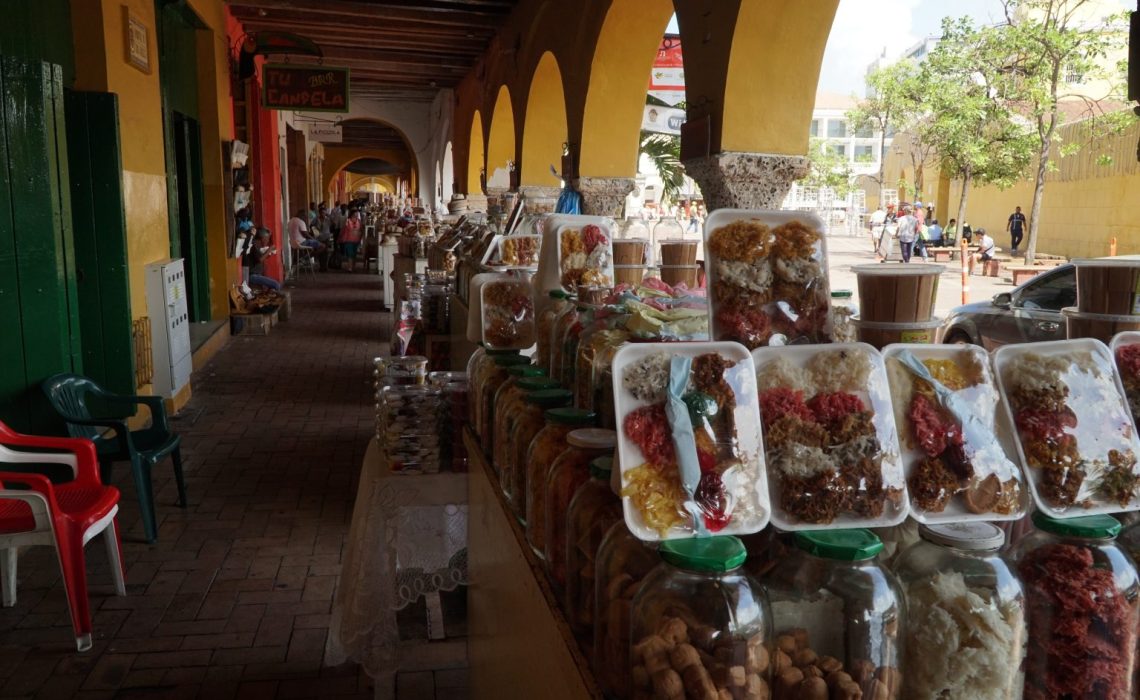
(89, 410)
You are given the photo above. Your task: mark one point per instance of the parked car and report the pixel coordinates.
(1030, 313)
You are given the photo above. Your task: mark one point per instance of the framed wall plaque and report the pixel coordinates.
(137, 40)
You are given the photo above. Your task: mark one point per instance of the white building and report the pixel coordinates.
(829, 123)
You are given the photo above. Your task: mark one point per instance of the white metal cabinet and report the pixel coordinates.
(170, 325)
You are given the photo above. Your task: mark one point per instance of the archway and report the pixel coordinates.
(544, 130)
(619, 72)
(501, 142)
(447, 177)
(476, 156)
(368, 138)
(777, 49)
(437, 196)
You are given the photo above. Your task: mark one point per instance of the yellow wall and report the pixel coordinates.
(477, 154)
(545, 129)
(100, 66)
(501, 143)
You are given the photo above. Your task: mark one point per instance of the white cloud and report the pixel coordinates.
(861, 31)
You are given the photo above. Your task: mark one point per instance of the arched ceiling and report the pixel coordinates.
(373, 166)
(366, 133)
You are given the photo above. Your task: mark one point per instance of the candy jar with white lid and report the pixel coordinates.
(1081, 594)
(569, 471)
(542, 394)
(490, 381)
(965, 615)
(622, 563)
(701, 626)
(593, 509)
(510, 408)
(837, 617)
(537, 457)
(507, 399)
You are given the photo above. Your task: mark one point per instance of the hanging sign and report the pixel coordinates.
(667, 79)
(325, 133)
(662, 120)
(304, 88)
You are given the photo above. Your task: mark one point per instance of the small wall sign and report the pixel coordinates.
(137, 40)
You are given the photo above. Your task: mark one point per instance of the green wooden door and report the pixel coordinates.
(38, 296)
(100, 234)
(191, 215)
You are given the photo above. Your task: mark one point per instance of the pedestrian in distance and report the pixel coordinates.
(1016, 228)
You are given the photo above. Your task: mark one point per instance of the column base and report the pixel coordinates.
(604, 196)
(736, 180)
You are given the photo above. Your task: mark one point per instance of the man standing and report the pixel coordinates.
(907, 233)
(1016, 228)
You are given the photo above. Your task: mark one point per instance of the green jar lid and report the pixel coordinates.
(714, 554)
(841, 545)
(842, 294)
(571, 416)
(526, 371)
(1092, 527)
(550, 398)
(500, 352)
(558, 294)
(601, 467)
(511, 360)
(537, 383)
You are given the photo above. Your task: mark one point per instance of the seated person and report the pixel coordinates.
(950, 233)
(253, 260)
(986, 249)
(934, 234)
(299, 233)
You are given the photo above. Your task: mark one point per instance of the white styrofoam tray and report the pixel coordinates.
(877, 399)
(986, 401)
(1118, 341)
(772, 219)
(550, 256)
(1104, 421)
(742, 379)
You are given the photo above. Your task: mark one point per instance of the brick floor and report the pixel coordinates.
(233, 601)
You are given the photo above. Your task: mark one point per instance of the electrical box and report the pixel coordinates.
(170, 326)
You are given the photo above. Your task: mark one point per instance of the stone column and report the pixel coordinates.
(604, 196)
(477, 201)
(539, 199)
(746, 180)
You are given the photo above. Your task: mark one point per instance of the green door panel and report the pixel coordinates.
(99, 233)
(13, 378)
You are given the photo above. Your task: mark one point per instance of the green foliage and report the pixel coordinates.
(827, 168)
(894, 101)
(664, 150)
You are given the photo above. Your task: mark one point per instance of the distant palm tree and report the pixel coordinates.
(665, 152)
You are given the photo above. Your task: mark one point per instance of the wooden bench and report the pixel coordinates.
(1023, 273)
(993, 266)
(941, 253)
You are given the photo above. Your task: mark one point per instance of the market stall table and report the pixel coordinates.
(407, 540)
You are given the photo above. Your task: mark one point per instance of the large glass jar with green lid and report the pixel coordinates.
(559, 302)
(965, 615)
(622, 564)
(701, 625)
(507, 401)
(569, 343)
(541, 394)
(536, 457)
(481, 362)
(565, 319)
(593, 509)
(1081, 594)
(492, 379)
(838, 617)
(567, 474)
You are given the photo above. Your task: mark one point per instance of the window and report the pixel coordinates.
(814, 128)
(865, 154)
(840, 149)
(836, 129)
(1050, 292)
(865, 132)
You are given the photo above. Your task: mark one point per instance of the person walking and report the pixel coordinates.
(1016, 228)
(350, 240)
(907, 233)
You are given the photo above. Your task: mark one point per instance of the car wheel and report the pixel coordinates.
(957, 337)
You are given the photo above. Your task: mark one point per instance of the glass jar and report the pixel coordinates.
(593, 346)
(604, 382)
(569, 471)
(622, 563)
(493, 378)
(482, 362)
(541, 395)
(844, 310)
(508, 401)
(965, 615)
(562, 323)
(538, 455)
(569, 343)
(593, 509)
(836, 613)
(700, 625)
(1081, 595)
(554, 308)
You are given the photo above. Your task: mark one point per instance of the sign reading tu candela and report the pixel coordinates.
(307, 88)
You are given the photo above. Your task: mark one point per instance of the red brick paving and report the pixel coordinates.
(233, 601)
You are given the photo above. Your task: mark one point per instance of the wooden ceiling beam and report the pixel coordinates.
(443, 38)
(370, 12)
(390, 67)
(367, 55)
(355, 38)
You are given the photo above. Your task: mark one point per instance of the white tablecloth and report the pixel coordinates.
(408, 539)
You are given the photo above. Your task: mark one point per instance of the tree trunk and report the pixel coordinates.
(1038, 192)
(882, 162)
(962, 202)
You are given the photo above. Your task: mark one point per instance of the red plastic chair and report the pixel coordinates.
(33, 511)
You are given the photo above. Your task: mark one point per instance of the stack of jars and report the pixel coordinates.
(407, 428)
(451, 417)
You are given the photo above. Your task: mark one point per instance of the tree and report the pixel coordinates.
(973, 129)
(892, 102)
(1046, 43)
(828, 168)
(664, 151)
